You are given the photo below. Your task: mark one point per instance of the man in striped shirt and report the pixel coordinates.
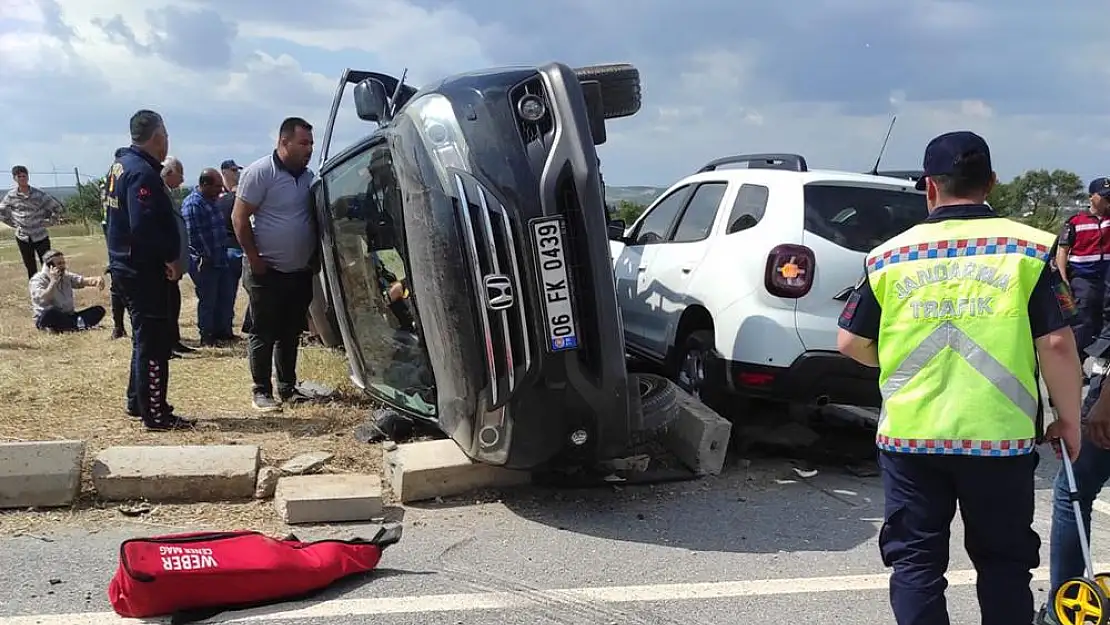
(28, 210)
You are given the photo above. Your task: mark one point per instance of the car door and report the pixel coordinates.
(676, 261)
(632, 268)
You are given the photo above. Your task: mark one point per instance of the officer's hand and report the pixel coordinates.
(1098, 428)
(1067, 431)
(258, 266)
(173, 274)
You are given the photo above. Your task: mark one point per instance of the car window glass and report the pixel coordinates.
(697, 220)
(749, 207)
(656, 224)
(861, 218)
(365, 206)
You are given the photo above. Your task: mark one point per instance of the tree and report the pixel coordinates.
(85, 206)
(1039, 197)
(628, 211)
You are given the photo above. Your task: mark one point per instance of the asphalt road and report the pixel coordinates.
(758, 544)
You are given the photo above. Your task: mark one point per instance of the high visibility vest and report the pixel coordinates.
(957, 366)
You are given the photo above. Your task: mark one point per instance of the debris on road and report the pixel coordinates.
(306, 463)
(136, 509)
(266, 482)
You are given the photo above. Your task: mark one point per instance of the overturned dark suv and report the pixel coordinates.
(466, 261)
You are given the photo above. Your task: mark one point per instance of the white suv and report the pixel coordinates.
(733, 278)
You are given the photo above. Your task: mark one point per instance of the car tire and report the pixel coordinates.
(655, 402)
(620, 87)
(690, 366)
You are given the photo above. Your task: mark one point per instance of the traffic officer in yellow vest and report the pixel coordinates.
(956, 312)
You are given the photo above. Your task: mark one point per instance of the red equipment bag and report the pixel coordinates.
(194, 576)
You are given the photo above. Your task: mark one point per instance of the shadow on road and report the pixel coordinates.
(771, 498)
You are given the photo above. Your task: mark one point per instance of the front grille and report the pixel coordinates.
(581, 276)
(491, 256)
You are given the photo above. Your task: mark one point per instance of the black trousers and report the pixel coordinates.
(995, 496)
(174, 312)
(28, 250)
(119, 307)
(279, 304)
(147, 296)
(56, 320)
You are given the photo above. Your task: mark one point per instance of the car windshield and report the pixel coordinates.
(364, 203)
(861, 218)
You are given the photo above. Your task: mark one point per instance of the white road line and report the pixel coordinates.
(472, 602)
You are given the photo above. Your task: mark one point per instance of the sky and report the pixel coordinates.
(817, 77)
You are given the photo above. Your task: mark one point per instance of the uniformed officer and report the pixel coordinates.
(118, 307)
(143, 247)
(1083, 255)
(956, 312)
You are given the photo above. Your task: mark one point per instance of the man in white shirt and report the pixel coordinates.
(52, 304)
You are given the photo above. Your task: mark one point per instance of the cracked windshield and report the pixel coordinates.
(364, 200)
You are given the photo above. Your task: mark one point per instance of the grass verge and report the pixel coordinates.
(73, 387)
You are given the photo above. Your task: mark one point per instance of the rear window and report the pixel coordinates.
(861, 218)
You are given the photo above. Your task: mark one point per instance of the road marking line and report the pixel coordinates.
(472, 602)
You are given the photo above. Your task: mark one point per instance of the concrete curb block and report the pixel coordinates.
(40, 474)
(176, 473)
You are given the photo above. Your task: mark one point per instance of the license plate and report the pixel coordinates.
(562, 328)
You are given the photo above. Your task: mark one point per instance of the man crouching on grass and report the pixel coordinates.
(52, 297)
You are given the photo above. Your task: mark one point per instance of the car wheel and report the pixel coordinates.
(620, 87)
(690, 366)
(657, 401)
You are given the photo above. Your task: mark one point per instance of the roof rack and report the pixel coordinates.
(789, 162)
(908, 174)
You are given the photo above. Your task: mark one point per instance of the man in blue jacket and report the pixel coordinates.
(143, 247)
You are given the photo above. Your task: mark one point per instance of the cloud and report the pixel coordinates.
(719, 77)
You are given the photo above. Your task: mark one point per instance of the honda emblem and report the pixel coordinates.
(499, 291)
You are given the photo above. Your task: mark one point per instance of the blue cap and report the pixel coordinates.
(1101, 186)
(944, 154)
(229, 164)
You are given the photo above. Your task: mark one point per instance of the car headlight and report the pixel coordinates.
(439, 128)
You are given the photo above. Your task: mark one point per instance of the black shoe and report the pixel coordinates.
(264, 402)
(295, 396)
(118, 333)
(169, 422)
(229, 338)
(181, 348)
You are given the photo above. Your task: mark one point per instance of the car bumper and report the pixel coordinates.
(817, 377)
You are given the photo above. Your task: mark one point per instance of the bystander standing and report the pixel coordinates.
(274, 223)
(173, 174)
(29, 210)
(207, 253)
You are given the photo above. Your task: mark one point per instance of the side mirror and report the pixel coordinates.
(371, 100)
(616, 229)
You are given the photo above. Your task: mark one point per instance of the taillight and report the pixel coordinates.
(751, 378)
(789, 271)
